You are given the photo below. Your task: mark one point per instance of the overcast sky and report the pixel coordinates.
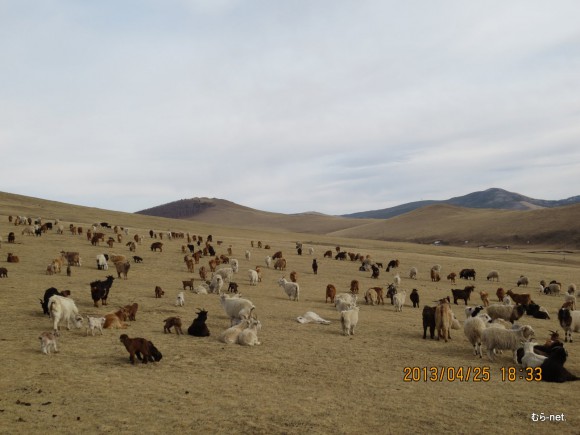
(288, 106)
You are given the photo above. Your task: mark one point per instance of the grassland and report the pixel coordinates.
(302, 379)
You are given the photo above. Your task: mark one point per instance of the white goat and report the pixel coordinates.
(249, 336)
(180, 299)
(292, 289)
(268, 261)
(344, 301)
(399, 300)
(349, 320)
(253, 275)
(95, 323)
(236, 308)
(397, 280)
(230, 335)
(504, 339)
(216, 284)
(226, 273)
(64, 308)
(234, 265)
(248, 255)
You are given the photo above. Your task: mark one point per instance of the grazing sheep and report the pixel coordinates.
(122, 269)
(569, 321)
(310, 250)
(230, 335)
(268, 261)
(349, 320)
(553, 367)
(180, 299)
(280, 264)
(494, 339)
(173, 322)
(249, 335)
(292, 289)
(201, 289)
(95, 323)
(522, 281)
(451, 277)
(414, 296)
(473, 327)
(493, 276)
(467, 274)
(226, 273)
(344, 301)
(413, 273)
(511, 313)
(199, 328)
(399, 300)
(63, 308)
(392, 265)
(330, 293)
(530, 358)
(553, 288)
(47, 342)
(484, 298)
(397, 280)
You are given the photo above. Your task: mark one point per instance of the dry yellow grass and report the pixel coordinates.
(302, 379)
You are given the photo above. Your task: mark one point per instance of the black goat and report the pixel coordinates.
(198, 328)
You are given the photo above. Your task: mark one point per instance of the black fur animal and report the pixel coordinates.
(415, 298)
(463, 294)
(467, 274)
(391, 292)
(314, 267)
(392, 265)
(233, 287)
(198, 328)
(48, 293)
(553, 367)
(137, 259)
(340, 256)
(154, 354)
(100, 290)
(429, 321)
(376, 271)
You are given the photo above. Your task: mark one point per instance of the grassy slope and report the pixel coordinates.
(304, 378)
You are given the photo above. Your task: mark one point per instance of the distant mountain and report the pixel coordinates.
(493, 198)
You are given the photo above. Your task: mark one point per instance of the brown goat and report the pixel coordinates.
(131, 310)
(330, 293)
(435, 276)
(500, 293)
(172, 322)
(116, 320)
(188, 283)
(158, 292)
(354, 287)
(293, 276)
(451, 277)
(12, 258)
(136, 345)
(203, 273)
(521, 299)
(484, 298)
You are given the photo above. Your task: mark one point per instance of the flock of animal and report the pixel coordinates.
(489, 328)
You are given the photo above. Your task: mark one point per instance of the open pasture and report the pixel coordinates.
(304, 378)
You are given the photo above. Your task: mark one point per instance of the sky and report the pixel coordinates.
(288, 106)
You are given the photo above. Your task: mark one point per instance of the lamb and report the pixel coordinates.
(553, 367)
(249, 335)
(473, 327)
(530, 358)
(569, 321)
(236, 308)
(484, 298)
(95, 323)
(172, 322)
(47, 342)
(506, 312)
(330, 293)
(399, 300)
(230, 335)
(414, 298)
(344, 301)
(413, 273)
(180, 299)
(494, 339)
(493, 276)
(292, 289)
(349, 320)
(253, 275)
(198, 328)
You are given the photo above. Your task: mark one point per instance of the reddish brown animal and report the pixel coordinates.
(500, 293)
(451, 277)
(354, 287)
(159, 292)
(131, 310)
(172, 322)
(521, 299)
(294, 276)
(330, 293)
(136, 345)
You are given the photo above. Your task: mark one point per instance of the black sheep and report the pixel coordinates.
(198, 328)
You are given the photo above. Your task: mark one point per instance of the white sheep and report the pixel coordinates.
(268, 261)
(507, 300)
(572, 289)
(236, 308)
(399, 300)
(522, 281)
(345, 301)
(413, 273)
(349, 320)
(230, 335)
(530, 358)
(216, 284)
(473, 327)
(292, 289)
(506, 312)
(249, 336)
(504, 339)
(180, 299)
(493, 276)
(253, 275)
